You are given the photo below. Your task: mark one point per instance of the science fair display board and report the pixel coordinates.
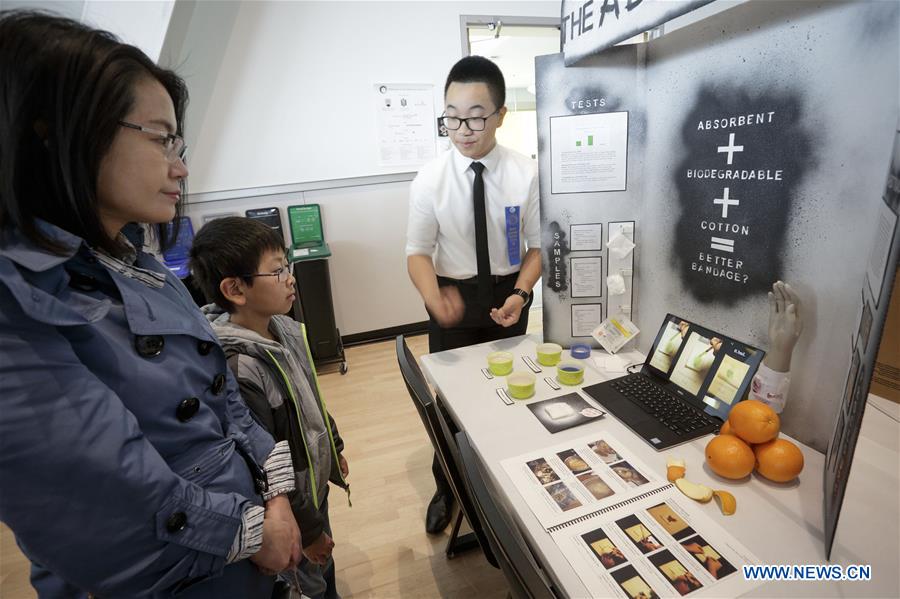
(746, 148)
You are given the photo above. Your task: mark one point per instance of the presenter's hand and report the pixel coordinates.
(785, 326)
(320, 549)
(508, 314)
(345, 467)
(448, 308)
(279, 507)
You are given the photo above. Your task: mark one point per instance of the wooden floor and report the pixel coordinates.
(381, 546)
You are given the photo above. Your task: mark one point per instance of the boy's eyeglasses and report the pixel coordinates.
(474, 123)
(173, 145)
(281, 275)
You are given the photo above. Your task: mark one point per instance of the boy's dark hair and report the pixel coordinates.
(478, 69)
(65, 87)
(232, 246)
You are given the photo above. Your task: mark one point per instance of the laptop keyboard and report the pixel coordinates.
(671, 411)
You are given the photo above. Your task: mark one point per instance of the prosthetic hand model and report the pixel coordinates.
(771, 383)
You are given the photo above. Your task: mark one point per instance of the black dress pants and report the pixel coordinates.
(475, 327)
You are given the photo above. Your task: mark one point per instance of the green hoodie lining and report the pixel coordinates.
(290, 388)
(324, 412)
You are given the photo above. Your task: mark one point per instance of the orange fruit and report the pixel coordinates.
(778, 460)
(726, 429)
(754, 422)
(730, 457)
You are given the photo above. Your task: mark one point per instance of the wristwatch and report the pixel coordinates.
(522, 293)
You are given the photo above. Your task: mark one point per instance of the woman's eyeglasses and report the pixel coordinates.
(173, 145)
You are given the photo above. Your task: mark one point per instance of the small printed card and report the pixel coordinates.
(614, 332)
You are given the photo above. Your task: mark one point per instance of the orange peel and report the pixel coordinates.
(727, 502)
(675, 469)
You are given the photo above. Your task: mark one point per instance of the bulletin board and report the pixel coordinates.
(756, 146)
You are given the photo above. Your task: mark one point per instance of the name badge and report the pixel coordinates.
(512, 235)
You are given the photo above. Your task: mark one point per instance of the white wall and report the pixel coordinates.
(142, 24)
(269, 79)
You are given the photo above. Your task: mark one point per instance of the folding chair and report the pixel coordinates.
(425, 406)
(526, 579)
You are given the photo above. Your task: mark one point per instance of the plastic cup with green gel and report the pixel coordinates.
(549, 354)
(520, 385)
(569, 373)
(500, 363)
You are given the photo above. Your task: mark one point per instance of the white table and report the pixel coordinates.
(780, 523)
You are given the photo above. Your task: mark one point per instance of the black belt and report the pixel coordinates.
(474, 280)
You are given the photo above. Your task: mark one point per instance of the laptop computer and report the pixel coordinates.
(307, 236)
(690, 380)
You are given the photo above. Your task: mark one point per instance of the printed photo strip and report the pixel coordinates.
(595, 485)
(604, 549)
(675, 572)
(629, 474)
(709, 558)
(639, 534)
(671, 522)
(574, 462)
(543, 471)
(632, 583)
(605, 451)
(563, 496)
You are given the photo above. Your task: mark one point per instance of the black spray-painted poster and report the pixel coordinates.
(758, 140)
(746, 155)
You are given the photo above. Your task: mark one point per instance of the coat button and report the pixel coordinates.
(218, 384)
(176, 522)
(204, 347)
(149, 346)
(187, 408)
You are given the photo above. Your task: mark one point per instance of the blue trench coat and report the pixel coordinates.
(125, 449)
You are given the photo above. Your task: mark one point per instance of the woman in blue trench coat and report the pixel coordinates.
(129, 466)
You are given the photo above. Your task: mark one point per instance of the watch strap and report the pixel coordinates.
(522, 293)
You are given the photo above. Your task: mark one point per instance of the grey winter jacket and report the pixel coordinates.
(278, 382)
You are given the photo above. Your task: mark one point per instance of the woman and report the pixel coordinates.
(129, 465)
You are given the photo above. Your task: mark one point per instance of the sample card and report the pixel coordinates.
(587, 276)
(588, 152)
(881, 250)
(586, 237)
(406, 132)
(586, 318)
(571, 479)
(561, 413)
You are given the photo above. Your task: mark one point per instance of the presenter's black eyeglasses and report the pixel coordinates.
(173, 145)
(474, 123)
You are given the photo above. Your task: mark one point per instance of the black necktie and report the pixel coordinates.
(482, 254)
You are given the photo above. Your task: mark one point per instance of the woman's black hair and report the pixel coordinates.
(64, 87)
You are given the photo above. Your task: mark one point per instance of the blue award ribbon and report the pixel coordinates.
(512, 235)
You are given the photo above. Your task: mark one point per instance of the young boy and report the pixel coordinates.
(240, 265)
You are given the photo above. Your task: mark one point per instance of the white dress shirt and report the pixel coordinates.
(442, 215)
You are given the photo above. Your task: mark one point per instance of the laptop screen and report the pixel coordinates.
(711, 369)
(306, 225)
